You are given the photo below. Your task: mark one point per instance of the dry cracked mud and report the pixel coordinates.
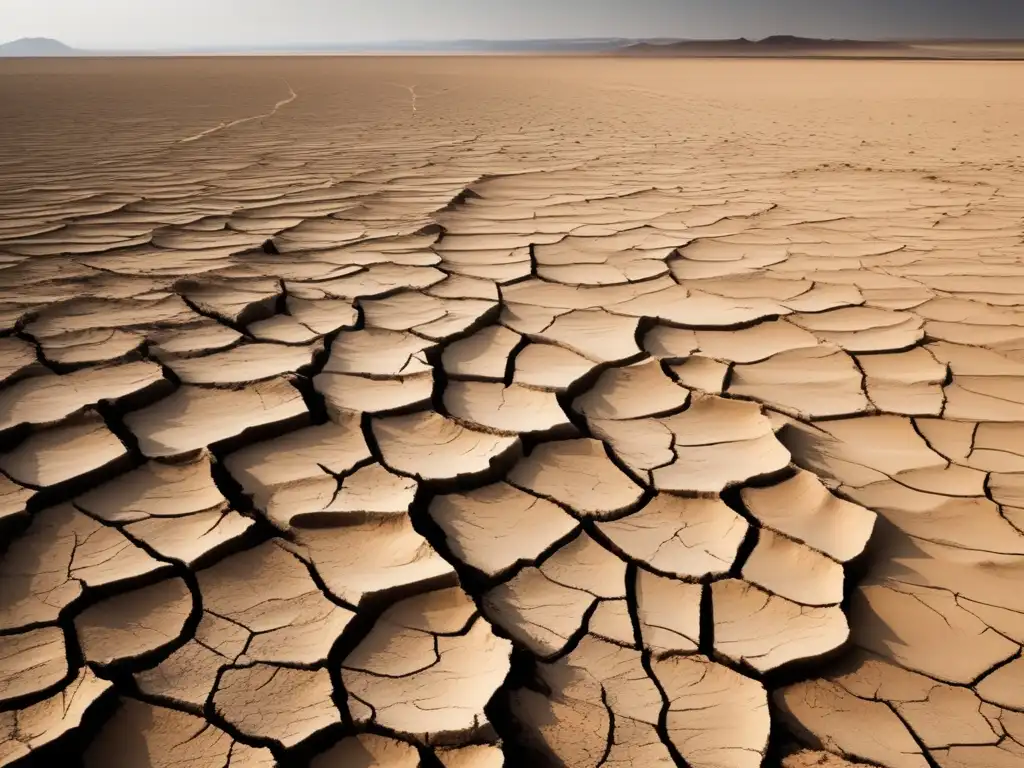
(462, 413)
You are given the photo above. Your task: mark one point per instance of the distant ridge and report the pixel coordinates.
(791, 41)
(36, 47)
(791, 46)
(774, 46)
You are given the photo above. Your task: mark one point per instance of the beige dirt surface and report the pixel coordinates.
(479, 411)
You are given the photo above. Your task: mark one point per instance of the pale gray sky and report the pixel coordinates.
(201, 23)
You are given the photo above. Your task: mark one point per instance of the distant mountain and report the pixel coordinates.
(774, 45)
(791, 41)
(36, 46)
(790, 46)
(785, 46)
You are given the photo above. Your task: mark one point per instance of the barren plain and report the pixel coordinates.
(511, 411)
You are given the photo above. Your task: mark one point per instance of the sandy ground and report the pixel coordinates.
(469, 412)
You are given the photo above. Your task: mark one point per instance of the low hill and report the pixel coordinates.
(35, 47)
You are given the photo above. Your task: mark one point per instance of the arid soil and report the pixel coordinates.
(474, 412)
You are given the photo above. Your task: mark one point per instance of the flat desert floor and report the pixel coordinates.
(479, 411)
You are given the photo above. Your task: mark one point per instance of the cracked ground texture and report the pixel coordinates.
(478, 411)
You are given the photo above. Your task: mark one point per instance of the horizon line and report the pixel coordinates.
(499, 40)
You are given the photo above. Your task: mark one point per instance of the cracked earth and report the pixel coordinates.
(477, 412)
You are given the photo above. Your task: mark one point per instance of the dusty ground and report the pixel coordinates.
(577, 412)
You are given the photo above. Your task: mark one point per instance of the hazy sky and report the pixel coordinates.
(198, 23)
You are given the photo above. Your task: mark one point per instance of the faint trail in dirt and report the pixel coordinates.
(416, 97)
(292, 96)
